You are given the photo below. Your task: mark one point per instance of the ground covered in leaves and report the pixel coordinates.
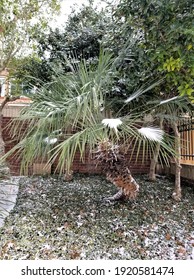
(54, 219)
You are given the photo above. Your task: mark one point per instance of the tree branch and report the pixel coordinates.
(8, 99)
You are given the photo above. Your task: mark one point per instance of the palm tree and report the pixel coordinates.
(73, 114)
(169, 113)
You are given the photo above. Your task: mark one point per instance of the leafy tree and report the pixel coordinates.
(79, 39)
(19, 20)
(152, 39)
(166, 32)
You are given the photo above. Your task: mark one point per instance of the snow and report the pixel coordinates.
(112, 123)
(152, 133)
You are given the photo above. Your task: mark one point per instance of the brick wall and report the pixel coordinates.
(13, 161)
(78, 166)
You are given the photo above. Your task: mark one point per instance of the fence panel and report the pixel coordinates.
(186, 129)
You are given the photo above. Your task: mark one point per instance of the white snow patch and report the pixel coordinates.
(152, 133)
(168, 100)
(112, 123)
(50, 141)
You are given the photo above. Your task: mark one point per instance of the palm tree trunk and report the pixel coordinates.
(117, 196)
(177, 190)
(154, 160)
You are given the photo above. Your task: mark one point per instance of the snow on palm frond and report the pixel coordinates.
(79, 99)
(112, 123)
(141, 91)
(50, 141)
(133, 96)
(152, 133)
(169, 100)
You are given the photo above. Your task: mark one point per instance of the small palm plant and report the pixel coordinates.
(73, 114)
(170, 113)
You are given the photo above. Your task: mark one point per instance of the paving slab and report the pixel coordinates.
(8, 195)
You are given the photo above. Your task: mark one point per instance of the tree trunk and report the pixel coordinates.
(154, 160)
(4, 169)
(177, 190)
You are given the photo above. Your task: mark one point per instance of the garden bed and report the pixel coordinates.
(54, 219)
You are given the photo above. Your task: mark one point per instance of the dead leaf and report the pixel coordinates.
(66, 225)
(168, 236)
(181, 250)
(74, 254)
(180, 243)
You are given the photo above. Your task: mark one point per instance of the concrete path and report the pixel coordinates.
(8, 195)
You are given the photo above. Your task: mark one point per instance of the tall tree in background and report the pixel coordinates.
(152, 39)
(78, 38)
(166, 39)
(19, 20)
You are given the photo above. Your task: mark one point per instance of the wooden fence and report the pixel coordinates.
(186, 129)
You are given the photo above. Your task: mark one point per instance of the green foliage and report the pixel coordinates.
(78, 39)
(19, 21)
(167, 29)
(172, 64)
(150, 39)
